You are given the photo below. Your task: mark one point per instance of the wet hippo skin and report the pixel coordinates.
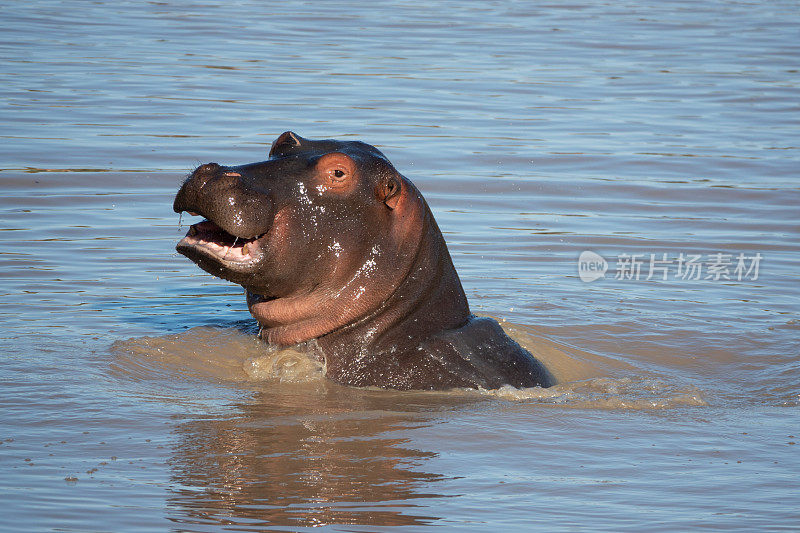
(338, 250)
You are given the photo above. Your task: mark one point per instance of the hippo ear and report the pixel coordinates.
(389, 191)
(285, 142)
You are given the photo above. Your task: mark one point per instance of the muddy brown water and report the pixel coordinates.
(136, 398)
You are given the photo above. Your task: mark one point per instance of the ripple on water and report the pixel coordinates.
(212, 354)
(230, 355)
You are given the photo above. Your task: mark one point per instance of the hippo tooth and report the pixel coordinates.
(245, 250)
(193, 213)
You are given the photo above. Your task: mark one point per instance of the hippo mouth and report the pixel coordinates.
(206, 240)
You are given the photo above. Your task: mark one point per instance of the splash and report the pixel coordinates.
(214, 354)
(287, 365)
(589, 380)
(608, 393)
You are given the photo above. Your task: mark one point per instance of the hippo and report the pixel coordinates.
(336, 249)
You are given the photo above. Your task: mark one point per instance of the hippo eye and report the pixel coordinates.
(337, 171)
(338, 174)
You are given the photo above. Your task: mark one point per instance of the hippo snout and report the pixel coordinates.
(222, 195)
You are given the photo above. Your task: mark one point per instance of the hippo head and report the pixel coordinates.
(331, 243)
(319, 234)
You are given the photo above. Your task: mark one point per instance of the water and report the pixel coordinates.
(134, 396)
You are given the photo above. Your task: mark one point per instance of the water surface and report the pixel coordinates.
(135, 396)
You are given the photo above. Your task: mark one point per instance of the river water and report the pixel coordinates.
(659, 137)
